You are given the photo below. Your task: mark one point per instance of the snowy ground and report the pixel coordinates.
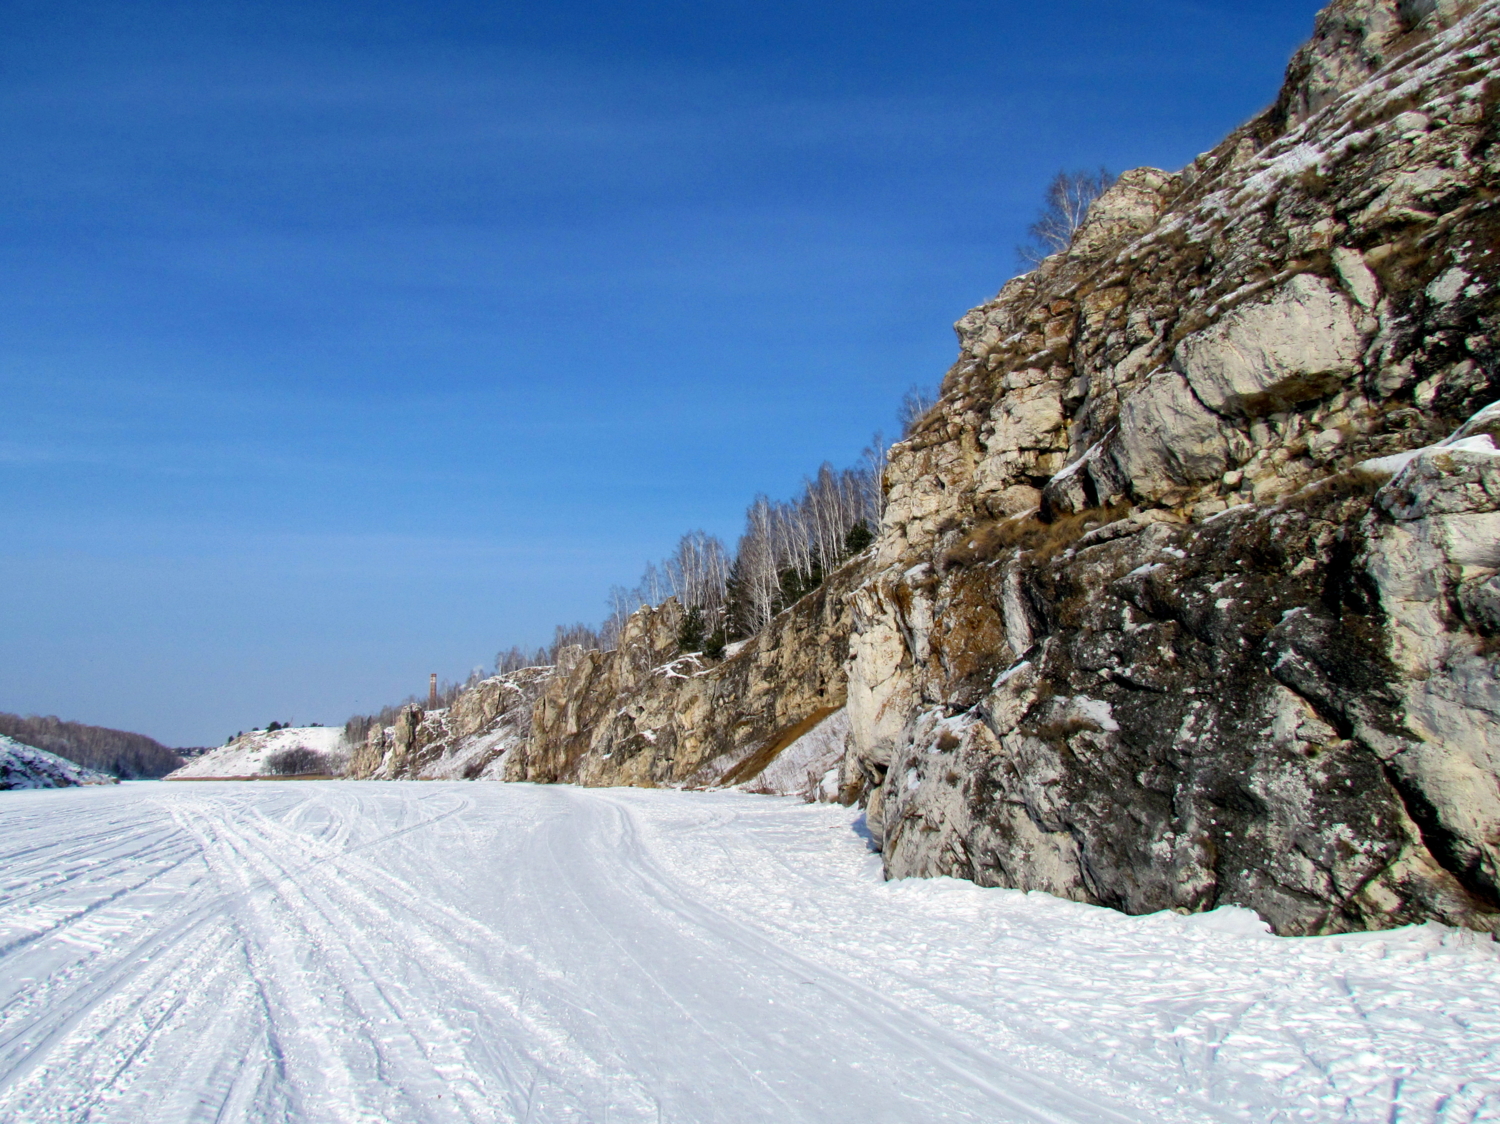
(345, 951)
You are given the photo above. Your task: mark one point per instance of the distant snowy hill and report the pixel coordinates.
(246, 755)
(25, 766)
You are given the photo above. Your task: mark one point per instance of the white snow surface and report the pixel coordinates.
(1393, 464)
(26, 766)
(809, 767)
(345, 951)
(246, 755)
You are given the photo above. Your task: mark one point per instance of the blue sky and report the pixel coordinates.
(345, 342)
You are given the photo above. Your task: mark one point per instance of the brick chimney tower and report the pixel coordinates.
(432, 692)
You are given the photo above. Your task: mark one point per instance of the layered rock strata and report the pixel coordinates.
(1162, 616)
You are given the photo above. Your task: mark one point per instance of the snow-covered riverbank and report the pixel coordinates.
(430, 952)
(25, 766)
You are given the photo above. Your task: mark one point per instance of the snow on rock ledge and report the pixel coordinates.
(471, 740)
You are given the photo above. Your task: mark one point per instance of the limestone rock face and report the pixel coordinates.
(1175, 718)
(1128, 209)
(1351, 41)
(1167, 442)
(645, 715)
(1164, 612)
(1298, 344)
(769, 717)
(1433, 551)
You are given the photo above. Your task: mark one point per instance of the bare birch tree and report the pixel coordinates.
(916, 403)
(1067, 205)
(785, 551)
(872, 477)
(568, 635)
(757, 561)
(700, 566)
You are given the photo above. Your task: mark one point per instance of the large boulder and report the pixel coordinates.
(1299, 343)
(1167, 443)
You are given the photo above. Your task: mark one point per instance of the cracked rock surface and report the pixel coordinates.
(1188, 590)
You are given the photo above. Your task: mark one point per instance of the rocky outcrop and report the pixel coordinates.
(1432, 552)
(1164, 614)
(470, 740)
(644, 715)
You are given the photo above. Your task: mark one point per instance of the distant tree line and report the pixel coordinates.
(117, 752)
(784, 552)
(787, 548)
(270, 728)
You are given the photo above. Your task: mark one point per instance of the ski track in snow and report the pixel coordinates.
(383, 953)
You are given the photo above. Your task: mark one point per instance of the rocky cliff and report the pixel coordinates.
(769, 715)
(1164, 614)
(1187, 592)
(642, 715)
(470, 740)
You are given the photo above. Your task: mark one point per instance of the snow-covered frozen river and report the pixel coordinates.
(329, 952)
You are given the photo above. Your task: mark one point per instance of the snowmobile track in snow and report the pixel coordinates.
(483, 952)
